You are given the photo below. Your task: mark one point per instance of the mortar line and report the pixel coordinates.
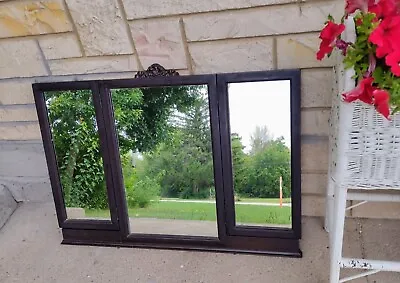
(309, 32)
(75, 29)
(129, 33)
(189, 59)
(73, 77)
(274, 53)
(25, 142)
(44, 60)
(17, 106)
(229, 10)
(93, 57)
(299, 2)
(18, 123)
(35, 36)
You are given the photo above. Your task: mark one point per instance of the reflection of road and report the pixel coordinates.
(238, 202)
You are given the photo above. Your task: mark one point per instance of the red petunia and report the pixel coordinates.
(331, 31)
(363, 92)
(381, 102)
(329, 35)
(385, 36)
(385, 8)
(324, 48)
(354, 5)
(393, 60)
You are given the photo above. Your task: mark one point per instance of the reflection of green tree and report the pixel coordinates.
(260, 139)
(171, 128)
(142, 122)
(257, 174)
(185, 161)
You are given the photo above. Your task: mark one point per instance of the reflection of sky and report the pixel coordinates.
(254, 104)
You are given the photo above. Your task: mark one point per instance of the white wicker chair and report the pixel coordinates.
(364, 166)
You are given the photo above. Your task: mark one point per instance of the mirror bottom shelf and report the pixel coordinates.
(229, 244)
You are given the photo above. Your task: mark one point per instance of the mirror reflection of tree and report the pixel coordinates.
(183, 165)
(166, 152)
(141, 116)
(74, 130)
(257, 171)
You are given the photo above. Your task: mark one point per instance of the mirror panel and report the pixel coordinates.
(259, 114)
(76, 142)
(165, 149)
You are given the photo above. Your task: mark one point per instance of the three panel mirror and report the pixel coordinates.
(210, 161)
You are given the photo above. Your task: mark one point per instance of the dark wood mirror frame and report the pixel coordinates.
(115, 232)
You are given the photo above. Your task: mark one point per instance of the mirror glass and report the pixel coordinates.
(259, 114)
(76, 141)
(166, 154)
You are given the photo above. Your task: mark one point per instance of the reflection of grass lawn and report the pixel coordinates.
(264, 200)
(205, 211)
(260, 200)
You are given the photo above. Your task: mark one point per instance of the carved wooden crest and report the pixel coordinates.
(156, 70)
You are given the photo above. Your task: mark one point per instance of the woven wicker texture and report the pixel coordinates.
(365, 147)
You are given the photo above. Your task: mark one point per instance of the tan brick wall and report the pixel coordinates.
(19, 131)
(250, 54)
(64, 40)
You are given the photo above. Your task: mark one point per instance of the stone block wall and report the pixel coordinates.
(63, 40)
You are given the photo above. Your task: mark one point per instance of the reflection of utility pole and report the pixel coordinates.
(280, 191)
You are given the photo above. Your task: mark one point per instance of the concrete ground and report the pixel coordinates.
(30, 251)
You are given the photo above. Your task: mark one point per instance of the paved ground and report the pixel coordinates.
(30, 251)
(174, 227)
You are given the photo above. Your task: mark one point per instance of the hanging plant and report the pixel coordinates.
(375, 54)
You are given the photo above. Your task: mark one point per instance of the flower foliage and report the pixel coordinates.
(375, 54)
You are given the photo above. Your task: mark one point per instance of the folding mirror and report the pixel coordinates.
(205, 162)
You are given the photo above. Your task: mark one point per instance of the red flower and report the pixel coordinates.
(362, 92)
(354, 5)
(331, 31)
(386, 35)
(393, 60)
(324, 48)
(329, 35)
(385, 8)
(381, 102)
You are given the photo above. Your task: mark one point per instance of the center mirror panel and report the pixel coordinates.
(165, 148)
(260, 128)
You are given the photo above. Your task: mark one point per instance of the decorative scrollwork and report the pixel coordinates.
(156, 70)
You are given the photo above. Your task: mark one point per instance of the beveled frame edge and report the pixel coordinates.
(294, 76)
